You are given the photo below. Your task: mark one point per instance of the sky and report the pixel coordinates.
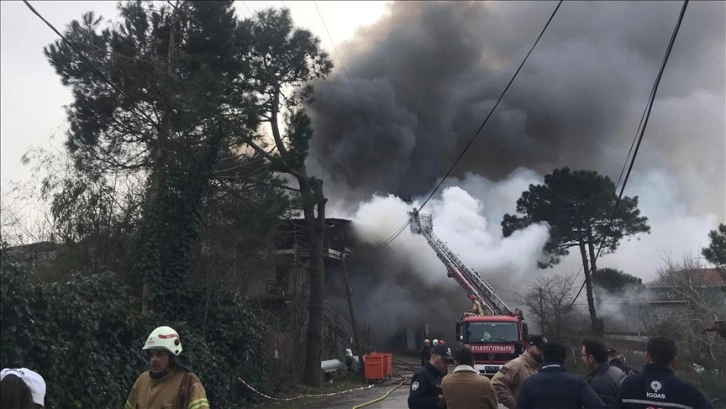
(419, 79)
(31, 92)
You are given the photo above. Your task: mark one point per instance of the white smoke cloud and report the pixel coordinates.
(412, 281)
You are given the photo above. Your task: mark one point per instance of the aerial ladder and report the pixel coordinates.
(467, 279)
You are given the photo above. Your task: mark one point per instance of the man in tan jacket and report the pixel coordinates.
(168, 383)
(465, 388)
(508, 381)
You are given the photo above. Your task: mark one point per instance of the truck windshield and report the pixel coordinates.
(491, 332)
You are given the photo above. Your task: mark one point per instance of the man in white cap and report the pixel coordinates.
(167, 383)
(14, 395)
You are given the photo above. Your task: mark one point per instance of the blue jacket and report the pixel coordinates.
(555, 388)
(657, 386)
(425, 388)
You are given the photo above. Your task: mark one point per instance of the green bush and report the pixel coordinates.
(85, 337)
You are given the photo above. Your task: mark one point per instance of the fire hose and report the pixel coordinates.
(384, 396)
(250, 387)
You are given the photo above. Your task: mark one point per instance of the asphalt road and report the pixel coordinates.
(396, 399)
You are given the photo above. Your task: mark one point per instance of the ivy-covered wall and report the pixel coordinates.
(85, 335)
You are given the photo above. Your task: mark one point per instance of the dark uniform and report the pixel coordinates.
(628, 370)
(554, 387)
(658, 387)
(425, 354)
(425, 388)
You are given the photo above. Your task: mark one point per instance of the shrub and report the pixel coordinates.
(84, 336)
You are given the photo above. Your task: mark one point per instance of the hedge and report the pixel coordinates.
(84, 336)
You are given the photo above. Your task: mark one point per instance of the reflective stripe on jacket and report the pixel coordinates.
(658, 387)
(178, 389)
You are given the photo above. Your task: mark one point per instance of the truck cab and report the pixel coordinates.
(494, 339)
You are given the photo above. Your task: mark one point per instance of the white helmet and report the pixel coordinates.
(435, 342)
(164, 338)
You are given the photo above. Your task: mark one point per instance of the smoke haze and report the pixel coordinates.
(420, 82)
(424, 77)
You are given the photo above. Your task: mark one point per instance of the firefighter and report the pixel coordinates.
(168, 383)
(425, 352)
(476, 307)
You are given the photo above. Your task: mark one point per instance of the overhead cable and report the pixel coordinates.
(645, 122)
(641, 129)
(461, 155)
(342, 65)
(471, 140)
(95, 68)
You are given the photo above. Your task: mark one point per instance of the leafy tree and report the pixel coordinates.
(716, 251)
(179, 63)
(616, 281)
(578, 206)
(284, 59)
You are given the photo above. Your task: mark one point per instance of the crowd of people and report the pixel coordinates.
(169, 383)
(538, 379)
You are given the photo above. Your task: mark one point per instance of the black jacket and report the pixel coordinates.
(555, 388)
(605, 381)
(425, 388)
(628, 370)
(658, 385)
(425, 354)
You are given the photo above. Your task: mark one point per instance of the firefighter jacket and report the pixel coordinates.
(476, 308)
(605, 381)
(658, 387)
(466, 389)
(178, 389)
(425, 388)
(508, 381)
(555, 388)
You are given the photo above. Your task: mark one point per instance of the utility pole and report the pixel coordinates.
(541, 313)
(348, 295)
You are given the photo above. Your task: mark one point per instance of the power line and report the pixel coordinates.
(647, 117)
(451, 169)
(644, 122)
(342, 65)
(244, 3)
(131, 101)
(389, 240)
(98, 70)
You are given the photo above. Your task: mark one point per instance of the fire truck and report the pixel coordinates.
(496, 337)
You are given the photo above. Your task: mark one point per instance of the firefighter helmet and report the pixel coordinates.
(164, 338)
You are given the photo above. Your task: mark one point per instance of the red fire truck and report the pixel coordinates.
(495, 338)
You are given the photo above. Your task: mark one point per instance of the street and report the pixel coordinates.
(397, 399)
